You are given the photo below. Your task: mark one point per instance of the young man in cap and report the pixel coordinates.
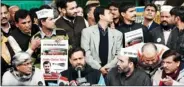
(48, 29)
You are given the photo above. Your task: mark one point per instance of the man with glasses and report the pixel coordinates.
(22, 73)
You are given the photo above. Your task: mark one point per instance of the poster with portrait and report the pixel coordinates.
(134, 37)
(54, 57)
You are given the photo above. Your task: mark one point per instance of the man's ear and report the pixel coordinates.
(42, 22)
(16, 24)
(63, 10)
(178, 18)
(59, 9)
(122, 14)
(139, 54)
(100, 16)
(178, 63)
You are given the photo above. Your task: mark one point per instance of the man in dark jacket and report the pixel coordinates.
(70, 22)
(126, 73)
(161, 33)
(176, 39)
(150, 12)
(88, 74)
(6, 26)
(128, 12)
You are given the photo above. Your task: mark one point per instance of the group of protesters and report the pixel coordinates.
(97, 43)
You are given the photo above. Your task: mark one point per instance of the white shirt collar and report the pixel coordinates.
(43, 35)
(148, 24)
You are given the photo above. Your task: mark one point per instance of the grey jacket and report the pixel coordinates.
(90, 42)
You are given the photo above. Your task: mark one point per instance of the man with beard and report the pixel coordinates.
(77, 60)
(114, 8)
(161, 34)
(176, 39)
(172, 71)
(150, 11)
(128, 11)
(6, 27)
(70, 22)
(126, 73)
(22, 72)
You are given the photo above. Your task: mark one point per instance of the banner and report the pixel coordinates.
(134, 37)
(54, 57)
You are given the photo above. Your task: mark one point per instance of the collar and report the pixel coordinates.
(64, 17)
(149, 25)
(43, 35)
(101, 30)
(166, 30)
(127, 25)
(29, 34)
(9, 26)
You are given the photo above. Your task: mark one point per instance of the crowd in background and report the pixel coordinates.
(96, 38)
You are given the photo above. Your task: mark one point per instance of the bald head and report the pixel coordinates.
(149, 53)
(12, 11)
(149, 49)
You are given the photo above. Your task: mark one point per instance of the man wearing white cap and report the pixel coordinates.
(22, 72)
(126, 73)
(161, 34)
(48, 30)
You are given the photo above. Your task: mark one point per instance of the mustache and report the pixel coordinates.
(4, 18)
(164, 22)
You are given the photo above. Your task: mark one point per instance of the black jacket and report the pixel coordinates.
(158, 35)
(176, 40)
(138, 78)
(92, 75)
(153, 25)
(72, 29)
(127, 28)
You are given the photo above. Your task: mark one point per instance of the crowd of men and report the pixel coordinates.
(98, 54)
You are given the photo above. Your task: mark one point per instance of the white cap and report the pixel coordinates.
(92, 2)
(44, 13)
(166, 8)
(129, 52)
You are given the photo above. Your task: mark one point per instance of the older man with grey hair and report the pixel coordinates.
(22, 72)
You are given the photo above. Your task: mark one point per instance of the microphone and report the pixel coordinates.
(78, 69)
(40, 83)
(63, 81)
(61, 84)
(82, 82)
